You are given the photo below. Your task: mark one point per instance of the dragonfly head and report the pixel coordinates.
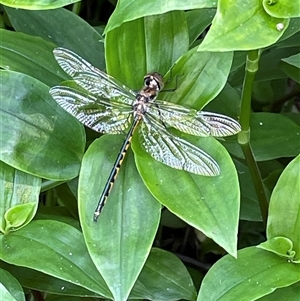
(154, 80)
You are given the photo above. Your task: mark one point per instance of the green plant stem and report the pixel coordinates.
(244, 135)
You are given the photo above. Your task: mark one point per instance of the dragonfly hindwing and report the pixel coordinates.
(173, 151)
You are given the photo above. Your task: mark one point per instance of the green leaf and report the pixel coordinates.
(158, 41)
(254, 274)
(119, 243)
(37, 4)
(206, 203)
(18, 54)
(6, 294)
(249, 203)
(291, 66)
(42, 282)
(269, 130)
(293, 60)
(200, 77)
(273, 71)
(289, 293)
(19, 197)
(242, 25)
(164, 277)
(282, 8)
(59, 251)
(134, 9)
(10, 288)
(279, 245)
(57, 26)
(35, 138)
(198, 20)
(284, 209)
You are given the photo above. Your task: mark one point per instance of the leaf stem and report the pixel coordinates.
(244, 136)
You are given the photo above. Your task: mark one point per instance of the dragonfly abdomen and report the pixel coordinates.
(115, 170)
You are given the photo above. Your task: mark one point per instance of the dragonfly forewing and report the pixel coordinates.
(95, 85)
(92, 79)
(96, 113)
(173, 151)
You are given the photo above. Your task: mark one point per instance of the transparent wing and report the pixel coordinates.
(96, 113)
(173, 151)
(92, 79)
(198, 123)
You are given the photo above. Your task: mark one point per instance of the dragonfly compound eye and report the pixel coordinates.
(154, 81)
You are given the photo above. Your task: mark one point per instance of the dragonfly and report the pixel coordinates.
(107, 106)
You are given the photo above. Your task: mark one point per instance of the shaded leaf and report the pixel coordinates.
(198, 20)
(59, 251)
(269, 130)
(39, 281)
(164, 277)
(10, 288)
(291, 66)
(18, 54)
(63, 28)
(29, 116)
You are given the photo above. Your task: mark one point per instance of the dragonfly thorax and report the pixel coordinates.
(142, 101)
(153, 83)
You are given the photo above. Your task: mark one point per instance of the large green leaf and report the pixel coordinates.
(56, 249)
(284, 209)
(35, 138)
(62, 27)
(37, 4)
(200, 77)
(164, 277)
(29, 55)
(254, 274)
(134, 9)
(158, 41)
(242, 25)
(120, 241)
(19, 197)
(206, 203)
(35, 280)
